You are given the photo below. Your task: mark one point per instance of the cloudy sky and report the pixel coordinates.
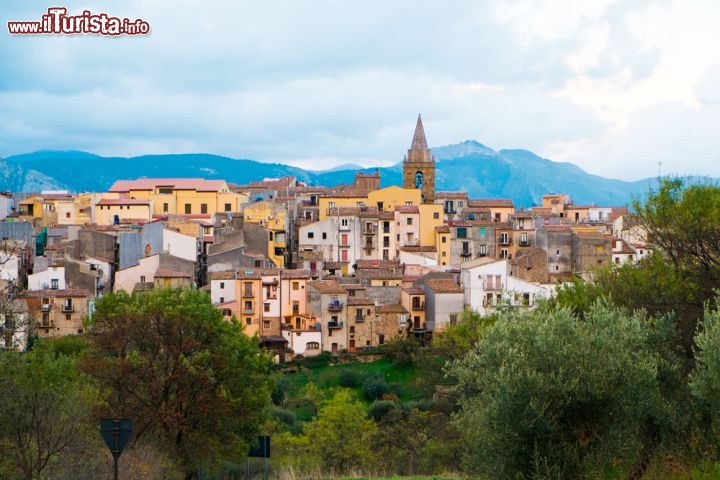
(613, 86)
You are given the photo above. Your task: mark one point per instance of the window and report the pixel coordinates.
(380, 205)
(248, 321)
(444, 253)
(188, 209)
(352, 329)
(461, 204)
(67, 214)
(222, 284)
(381, 339)
(258, 263)
(524, 238)
(324, 235)
(504, 253)
(311, 235)
(165, 191)
(296, 285)
(54, 284)
(228, 207)
(482, 232)
(461, 232)
(68, 317)
(312, 346)
(203, 208)
(436, 215)
(266, 307)
(344, 222)
(482, 250)
(331, 204)
(408, 204)
(222, 299)
(443, 239)
(409, 220)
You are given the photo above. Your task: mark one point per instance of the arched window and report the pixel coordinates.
(312, 346)
(419, 180)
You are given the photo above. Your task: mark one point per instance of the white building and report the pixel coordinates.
(52, 278)
(304, 342)
(180, 245)
(489, 286)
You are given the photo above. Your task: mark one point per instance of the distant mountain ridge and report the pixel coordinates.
(468, 166)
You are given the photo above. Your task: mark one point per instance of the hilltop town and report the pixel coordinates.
(305, 268)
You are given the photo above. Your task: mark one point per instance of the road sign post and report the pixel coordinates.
(261, 451)
(116, 432)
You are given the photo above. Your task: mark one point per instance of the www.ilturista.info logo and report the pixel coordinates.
(57, 21)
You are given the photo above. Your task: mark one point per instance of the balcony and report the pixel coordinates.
(335, 306)
(334, 324)
(45, 307)
(344, 227)
(524, 243)
(419, 326)
(359, 318)
(465, 253)
(248, 294)
(369, 231)
(505, 241)
(418, 306)
(248, 309)
(45, 325)
(68, 308)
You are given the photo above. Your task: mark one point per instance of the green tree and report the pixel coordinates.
(339, 436)
(189, 379)
(705, 379)
(546, 393)
(45, 414)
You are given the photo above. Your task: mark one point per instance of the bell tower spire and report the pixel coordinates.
(419, 165)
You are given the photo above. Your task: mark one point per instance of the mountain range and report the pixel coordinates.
(468, 166)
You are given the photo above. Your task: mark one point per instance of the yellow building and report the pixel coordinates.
(41, 209)
(386, 199)
(442, 244)
(110, 211)
(78, 210)
(180, 196)
(274, 218)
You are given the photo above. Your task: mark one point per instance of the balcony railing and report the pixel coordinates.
(418, 306)
(334, 324)
(466, 253)
(68, 308)
(419, 326)
(248, 294)
(248, 309)
(505, 241)
(335, 306)
(45, 307)
(369, 231)
(524, 243)
(359, 318)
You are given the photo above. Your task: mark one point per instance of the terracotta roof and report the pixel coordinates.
(353, 286)
(443, 285)
(393, 308)
(557, 228)
(167, 273)
(46, 292)
(360, 301)
(414, 290)
(199, 184)
(122, 201)
(419, 249)
(492, 202)
(407, 209)
(373, 263)
(382, 275)
(460, 195)
(442, 229)
(227, 304)
(329, 287)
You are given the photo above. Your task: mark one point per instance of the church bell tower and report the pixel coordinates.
(419, 165)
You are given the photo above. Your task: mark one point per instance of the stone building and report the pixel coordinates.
(419, 165)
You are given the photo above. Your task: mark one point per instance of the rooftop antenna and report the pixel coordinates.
(660, 169)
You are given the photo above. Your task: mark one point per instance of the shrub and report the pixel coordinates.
(374, 386)
(402, 350)
(351, 378)
(379, 408)
(321, 360)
